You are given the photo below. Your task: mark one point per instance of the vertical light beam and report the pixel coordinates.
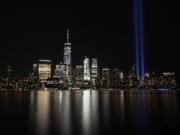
(136, 42)
(141, 14)
(139, 37)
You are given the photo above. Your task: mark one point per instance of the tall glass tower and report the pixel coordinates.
(67, 57)
(67, 51)
(87, 76)
(94, 68)
(94, 71)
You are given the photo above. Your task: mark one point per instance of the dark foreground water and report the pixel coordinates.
(89, 113)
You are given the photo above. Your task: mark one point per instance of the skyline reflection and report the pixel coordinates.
(89, 112)
(86, 113)
(42, 113)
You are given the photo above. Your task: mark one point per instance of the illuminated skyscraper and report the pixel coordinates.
(94, 71)
(79, 73)
(67, 57)
(44, 70)
(87, 76)
(94, 68)
(67, 51)
(60, 72)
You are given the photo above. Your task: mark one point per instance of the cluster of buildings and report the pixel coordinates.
(65, 75)
(87, 75)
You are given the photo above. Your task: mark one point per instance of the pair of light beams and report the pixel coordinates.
(139, 37)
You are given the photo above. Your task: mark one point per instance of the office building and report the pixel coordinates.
(44, 70)
(67, 57)
(87, 76)
(94, 71)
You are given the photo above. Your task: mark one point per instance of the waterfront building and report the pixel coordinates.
(44, 70)
(86, 67)
(67, 57)
(94, 71)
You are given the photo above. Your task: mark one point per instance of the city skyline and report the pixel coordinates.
(66, 59)
(34, 35)
(89, 67)
(87, 75)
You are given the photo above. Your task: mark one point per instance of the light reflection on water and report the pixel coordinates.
(86, 112)
(89, 112)
(42, 112)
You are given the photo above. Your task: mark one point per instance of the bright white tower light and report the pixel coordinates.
(67, 51)
(67, 57)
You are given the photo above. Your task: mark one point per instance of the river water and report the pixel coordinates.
(89, 112)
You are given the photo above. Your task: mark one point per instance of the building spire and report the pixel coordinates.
(68, 36)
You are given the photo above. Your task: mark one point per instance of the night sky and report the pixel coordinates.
(31, 31)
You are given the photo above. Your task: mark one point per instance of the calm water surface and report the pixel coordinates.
(89, 113)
